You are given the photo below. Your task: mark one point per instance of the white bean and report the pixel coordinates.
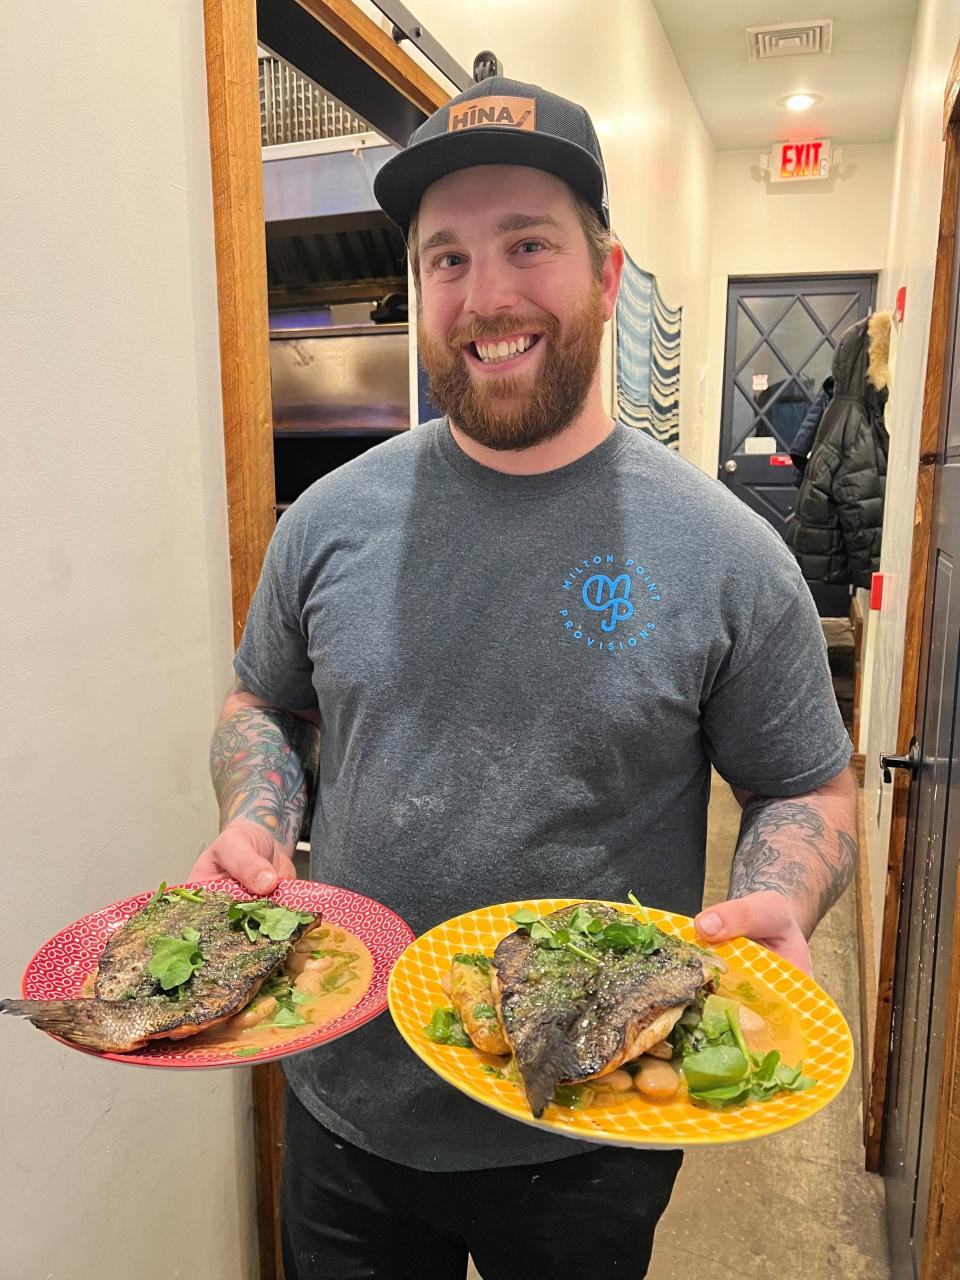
(750, 1020)
(616, 1081)
(310, 983)
(656, 1079)
(255, 1012)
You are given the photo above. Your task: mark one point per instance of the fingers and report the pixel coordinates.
(765, 917)
(248, 854)
(758, 915)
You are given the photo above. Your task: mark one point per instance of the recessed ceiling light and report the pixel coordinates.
(800, 101)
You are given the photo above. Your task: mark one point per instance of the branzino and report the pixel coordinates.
(129, 1007)
(568, 1019)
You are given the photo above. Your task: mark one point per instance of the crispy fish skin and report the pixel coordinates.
(130, 1009)
(568, 1020)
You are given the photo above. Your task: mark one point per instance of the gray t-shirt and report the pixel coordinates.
(523, 682)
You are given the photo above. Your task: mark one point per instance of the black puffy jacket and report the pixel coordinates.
(807, 431)
(836, 526)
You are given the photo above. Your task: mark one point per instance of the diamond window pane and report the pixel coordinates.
(818, 367)
(766, 308)
(762, 364)
(745, 419)
(796, 336)
(748, 335)
(785, 407)
(830, 308)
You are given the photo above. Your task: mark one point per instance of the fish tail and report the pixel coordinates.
(75, 1020)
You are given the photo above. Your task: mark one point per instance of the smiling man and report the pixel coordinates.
(525, 633)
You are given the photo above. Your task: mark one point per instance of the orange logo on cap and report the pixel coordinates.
(511, 113)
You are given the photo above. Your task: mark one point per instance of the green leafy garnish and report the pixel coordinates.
(248, 1052)
(287, 1017)
(477, 960)
(485, 1012)
(176, 960)
(585, 928)
(191, 895)
(643, 915)
(445, 1027)
(573, 1096)
(718, 1066)
(276, 923)
(492, 1071)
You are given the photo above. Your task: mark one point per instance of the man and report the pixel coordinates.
(524, 632)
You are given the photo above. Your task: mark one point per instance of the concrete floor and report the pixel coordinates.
(798, 1204)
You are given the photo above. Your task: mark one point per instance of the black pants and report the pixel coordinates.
(348, 1215)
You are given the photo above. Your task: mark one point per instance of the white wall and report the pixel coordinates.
(810, 228)
(658, 154)
(115, 631)
(910, 258)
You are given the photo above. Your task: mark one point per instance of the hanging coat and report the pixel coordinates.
(836, 526)
(807, 431)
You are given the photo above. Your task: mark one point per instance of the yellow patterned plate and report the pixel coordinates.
(415, 991)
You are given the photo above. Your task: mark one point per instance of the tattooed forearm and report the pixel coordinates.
(804, 848)
(262, 761)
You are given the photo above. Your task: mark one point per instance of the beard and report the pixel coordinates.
(515, 410)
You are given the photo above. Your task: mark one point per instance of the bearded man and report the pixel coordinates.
(525, 633)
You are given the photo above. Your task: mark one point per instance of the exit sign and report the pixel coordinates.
(800, 161)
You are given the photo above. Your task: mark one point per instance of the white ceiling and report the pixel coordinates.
(861, 80)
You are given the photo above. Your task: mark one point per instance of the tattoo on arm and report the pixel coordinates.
(263, 761)
(793, 847)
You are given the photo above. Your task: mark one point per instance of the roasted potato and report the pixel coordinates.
(472, 997)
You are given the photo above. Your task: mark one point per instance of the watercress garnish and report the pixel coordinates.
(176, 960)
(445, 1027)
(276, 923)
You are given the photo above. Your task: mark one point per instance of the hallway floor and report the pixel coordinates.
(799, 1204)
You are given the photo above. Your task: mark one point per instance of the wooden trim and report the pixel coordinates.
(941, 1250)
(268, 1106)
(866, 958)
(233, 96)
(951, 108)
(380, 51)
(935, 396)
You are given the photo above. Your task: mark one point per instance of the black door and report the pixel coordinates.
(781, 335)
(931, 865)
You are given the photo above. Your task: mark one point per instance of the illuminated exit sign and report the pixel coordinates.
(800, 161)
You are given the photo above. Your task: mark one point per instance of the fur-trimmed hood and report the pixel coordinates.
(863, 356)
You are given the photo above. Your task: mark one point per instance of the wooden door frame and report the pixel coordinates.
(943, 1219)
(233, 97)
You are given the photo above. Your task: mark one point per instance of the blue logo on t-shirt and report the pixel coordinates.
(610, 612)
(601, 593)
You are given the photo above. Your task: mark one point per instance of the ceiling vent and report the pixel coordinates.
(789, 39)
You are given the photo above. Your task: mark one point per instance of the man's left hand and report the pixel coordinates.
(765, 917)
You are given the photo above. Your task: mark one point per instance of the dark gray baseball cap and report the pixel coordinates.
(497, 121)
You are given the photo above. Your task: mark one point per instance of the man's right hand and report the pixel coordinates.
(247, 853)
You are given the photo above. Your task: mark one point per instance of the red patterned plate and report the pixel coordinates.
(62, 965)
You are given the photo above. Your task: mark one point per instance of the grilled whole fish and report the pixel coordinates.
(130, 1008)
(568, 1020)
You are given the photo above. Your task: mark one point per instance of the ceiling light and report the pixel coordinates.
(800, 101)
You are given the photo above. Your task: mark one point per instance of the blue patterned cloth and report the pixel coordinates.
(647, 357)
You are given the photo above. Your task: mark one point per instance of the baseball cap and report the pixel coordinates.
(497, 121)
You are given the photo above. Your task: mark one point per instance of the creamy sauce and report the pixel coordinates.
(342, 968)
(781, 1031)
(348, 976)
